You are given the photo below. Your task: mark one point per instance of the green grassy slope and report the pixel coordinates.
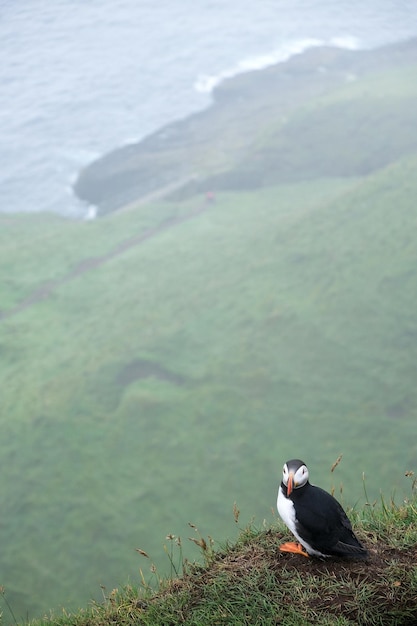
(176, 375)
(38, 249)
(353, 130)
(281, 322)
(252, 582)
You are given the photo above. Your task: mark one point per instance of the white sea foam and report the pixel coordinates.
(205, 83)
(91, 213)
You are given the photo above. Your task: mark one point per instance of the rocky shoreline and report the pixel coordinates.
(189, 151)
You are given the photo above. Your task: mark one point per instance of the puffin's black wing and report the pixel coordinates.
(324, 525)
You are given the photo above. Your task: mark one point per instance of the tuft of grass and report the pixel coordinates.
(392, 523)
(252, 582)
(7, 605)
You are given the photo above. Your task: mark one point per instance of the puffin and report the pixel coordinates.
(314, 517)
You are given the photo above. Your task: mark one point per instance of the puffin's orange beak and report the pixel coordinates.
(290, 484)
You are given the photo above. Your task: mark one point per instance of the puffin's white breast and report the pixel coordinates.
(286, 510)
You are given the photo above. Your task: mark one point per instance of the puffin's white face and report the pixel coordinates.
(294, 475)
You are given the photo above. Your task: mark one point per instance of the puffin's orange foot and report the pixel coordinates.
(294, 548)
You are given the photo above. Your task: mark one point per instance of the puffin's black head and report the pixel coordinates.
(294, 475)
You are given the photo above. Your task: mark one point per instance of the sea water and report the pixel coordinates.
(78, 79)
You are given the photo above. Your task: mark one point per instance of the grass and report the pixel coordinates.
(351, 130)
(25, 238)
(250, 582)
(175, 375)
(271, 333)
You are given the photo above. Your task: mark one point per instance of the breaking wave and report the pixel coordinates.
(205, 83)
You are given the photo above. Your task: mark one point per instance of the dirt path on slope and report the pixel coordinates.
(86, 265)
